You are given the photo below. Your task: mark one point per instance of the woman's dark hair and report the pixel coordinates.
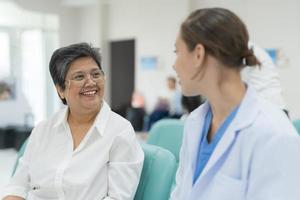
(62, 58)
(223, 35)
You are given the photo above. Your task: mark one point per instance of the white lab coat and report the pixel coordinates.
(258, 157)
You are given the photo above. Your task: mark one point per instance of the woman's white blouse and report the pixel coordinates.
(106, 165)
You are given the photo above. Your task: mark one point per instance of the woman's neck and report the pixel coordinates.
(223, 98)
(76, 118)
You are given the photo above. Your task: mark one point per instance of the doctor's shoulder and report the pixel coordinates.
(271, 125)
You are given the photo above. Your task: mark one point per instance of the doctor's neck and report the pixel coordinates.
(224, 95)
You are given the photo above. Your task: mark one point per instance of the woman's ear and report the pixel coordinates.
(60, 91)
(199, 52)
(199, 59)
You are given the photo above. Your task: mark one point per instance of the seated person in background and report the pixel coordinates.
(174, 98)
(5, 92)
(160, 111)
(85, 151)
(136, 112)
(265, 79)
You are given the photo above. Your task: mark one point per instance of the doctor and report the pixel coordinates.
(236, 146)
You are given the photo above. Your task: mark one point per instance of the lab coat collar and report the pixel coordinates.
(245, 116)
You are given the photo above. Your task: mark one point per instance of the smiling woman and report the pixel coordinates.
(85, 151)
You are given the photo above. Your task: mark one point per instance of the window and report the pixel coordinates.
(4, 55)
(33, 72)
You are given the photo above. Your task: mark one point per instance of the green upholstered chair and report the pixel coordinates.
(158, 174)
(297, 124)
(20, 154)
(167, 133)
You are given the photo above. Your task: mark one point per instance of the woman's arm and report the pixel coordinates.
(125, 166)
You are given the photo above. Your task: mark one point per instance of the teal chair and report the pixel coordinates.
(297, 124)
(158, 174)
(167, 133)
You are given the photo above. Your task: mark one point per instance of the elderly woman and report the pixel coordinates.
(85, 151)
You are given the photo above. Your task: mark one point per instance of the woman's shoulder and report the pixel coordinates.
(117, 123)
(53, 120)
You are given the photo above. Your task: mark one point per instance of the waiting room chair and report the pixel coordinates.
(158, 174)
(297, 124)
(167, 133)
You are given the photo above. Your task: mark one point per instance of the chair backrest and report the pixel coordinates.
(297, 124)
(20, 154)
(167, 133)
(157, 175)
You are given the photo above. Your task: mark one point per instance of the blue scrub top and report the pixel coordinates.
(206, 149)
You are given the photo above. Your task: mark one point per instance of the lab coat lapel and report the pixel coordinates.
(195, 128)
(245, 116)
(222, 147)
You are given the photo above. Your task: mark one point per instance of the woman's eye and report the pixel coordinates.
(79, 77)
(96, 75)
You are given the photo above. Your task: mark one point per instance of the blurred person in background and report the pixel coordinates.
(174, 98)
(265, 79)
(5, 92)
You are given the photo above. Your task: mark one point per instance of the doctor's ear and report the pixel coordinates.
(199, 52)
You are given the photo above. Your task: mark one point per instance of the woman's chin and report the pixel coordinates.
(91, 104)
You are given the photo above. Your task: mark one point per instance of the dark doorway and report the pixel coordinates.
(122, 74)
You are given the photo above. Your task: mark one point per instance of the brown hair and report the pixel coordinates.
(223, 35)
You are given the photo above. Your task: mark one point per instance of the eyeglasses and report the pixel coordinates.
(80, 78)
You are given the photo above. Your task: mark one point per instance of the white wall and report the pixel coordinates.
(272, 24)
(154, 25)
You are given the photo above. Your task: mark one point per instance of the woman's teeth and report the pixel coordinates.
(89, 93)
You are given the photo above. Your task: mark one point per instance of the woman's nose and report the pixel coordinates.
(89, 80)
